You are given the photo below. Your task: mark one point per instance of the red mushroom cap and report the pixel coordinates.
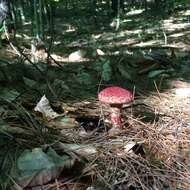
(115, 95)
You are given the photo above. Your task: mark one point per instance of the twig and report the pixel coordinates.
(7, 36)
(157, 89)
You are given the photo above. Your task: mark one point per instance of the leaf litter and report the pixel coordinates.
(68, 145)
(147, 153)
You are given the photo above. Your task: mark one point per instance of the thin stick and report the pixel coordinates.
(157, 89)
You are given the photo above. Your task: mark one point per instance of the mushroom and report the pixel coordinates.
(115, 97)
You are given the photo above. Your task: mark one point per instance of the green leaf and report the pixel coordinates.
(124, 73)
(57, 83)
(98, 66)
(107, 71)
(155, 73)
(34, 160)
(84, 78)
(37, 167)
(8, 95)
(30, 83)
(2, 110)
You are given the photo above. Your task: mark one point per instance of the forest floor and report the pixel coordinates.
(54, 134)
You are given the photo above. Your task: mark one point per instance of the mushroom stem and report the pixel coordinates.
(116, 117)
(115, 97)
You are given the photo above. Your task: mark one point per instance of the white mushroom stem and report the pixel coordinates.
(116, 117)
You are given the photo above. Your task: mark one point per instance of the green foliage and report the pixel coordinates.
(2, 29)
(155, 73)
(84, 78)
(37, 167)
(161, 72)
(23, 85)
(8, 95)
(106, 71)
(28, 82)
(124, 72)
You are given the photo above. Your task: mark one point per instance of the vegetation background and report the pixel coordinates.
(56, 56)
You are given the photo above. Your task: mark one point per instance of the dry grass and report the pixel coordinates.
(160, 160)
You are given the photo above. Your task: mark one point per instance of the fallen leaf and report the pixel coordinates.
(37, 167)
(80, 149)
(128, 146)
(43, 106)
(100, 52)
(77, 55)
